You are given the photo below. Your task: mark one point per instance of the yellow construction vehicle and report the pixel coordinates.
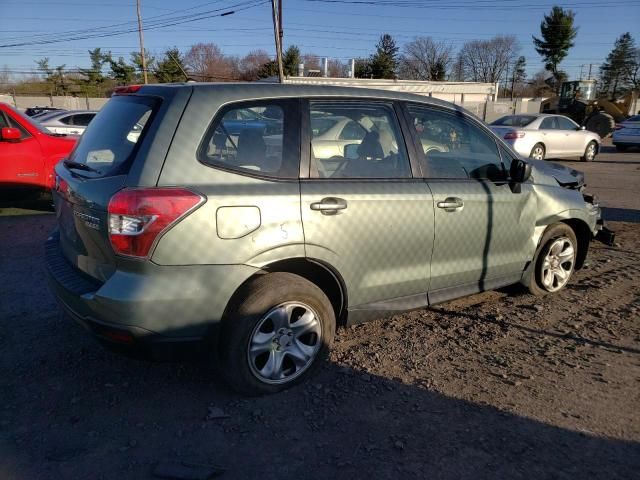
(578, 101)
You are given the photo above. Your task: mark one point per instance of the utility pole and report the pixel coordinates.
(143, 58)
(590, 65)
(277, 20)
(513, 81)
(581, 67)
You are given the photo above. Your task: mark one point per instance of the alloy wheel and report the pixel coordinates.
(558, 264)
(284, 343)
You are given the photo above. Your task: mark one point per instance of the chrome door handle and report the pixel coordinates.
(329, 205)
(451, 204)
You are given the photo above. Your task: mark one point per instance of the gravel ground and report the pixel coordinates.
(497, 385)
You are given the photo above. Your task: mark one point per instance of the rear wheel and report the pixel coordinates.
(590, 152)
(278, 329)
(537, 152)
(554, 261)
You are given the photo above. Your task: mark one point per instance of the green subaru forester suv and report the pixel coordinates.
(248, 221)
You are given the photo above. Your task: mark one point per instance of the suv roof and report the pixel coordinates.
(254, 90)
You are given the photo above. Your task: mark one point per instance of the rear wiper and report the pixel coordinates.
(79, 166)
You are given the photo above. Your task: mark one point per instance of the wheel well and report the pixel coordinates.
(322, 275)
(583, 236)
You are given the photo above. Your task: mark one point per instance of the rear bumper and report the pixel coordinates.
(158, 312)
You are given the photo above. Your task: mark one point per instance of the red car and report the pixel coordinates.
(28, 153)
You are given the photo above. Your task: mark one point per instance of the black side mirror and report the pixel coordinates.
(520, 171)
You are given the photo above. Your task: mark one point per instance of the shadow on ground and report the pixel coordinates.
(620, 214)
(70, 409)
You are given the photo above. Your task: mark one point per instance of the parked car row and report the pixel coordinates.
(188, 216)
(627, 134)
(28, 153)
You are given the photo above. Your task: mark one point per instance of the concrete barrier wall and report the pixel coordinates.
(68, 103)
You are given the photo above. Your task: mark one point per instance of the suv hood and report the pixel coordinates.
(549, 173)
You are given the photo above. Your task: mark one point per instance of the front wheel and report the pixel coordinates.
(275, 333)
(590, 152)
(537, 152)
(554, 261)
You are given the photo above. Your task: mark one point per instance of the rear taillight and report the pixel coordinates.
(138, 217)
(512, 135)
(129, 89)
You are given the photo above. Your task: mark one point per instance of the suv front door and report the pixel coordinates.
(483, 225)
(363, 211)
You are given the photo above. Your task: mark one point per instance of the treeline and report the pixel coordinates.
(492, 60)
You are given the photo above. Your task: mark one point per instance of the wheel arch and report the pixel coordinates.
(583, 236)
(315, 271)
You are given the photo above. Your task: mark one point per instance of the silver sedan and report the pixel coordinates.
(547, 136)
(71, 122)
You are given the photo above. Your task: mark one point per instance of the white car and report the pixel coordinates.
(627, 133)
(547, 136)
(72, 122)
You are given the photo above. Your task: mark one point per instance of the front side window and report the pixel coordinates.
(369, 144)
(454, 146)
(566, 124)
(251, 138)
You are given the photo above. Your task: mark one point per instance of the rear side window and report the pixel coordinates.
(68, 120)
(259, 138)
(454, 146)
(111, 139)
(83, 119)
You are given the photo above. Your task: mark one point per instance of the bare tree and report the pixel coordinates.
(206, 62)
(425, 59)
(336, 68)
(250, 65)
(487, 60)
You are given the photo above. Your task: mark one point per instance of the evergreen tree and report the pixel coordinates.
(616, 71)
(290, 61)
(362, 68)
(557, 33)
(121, 72)
(136, 61)
(384, 62)
(171, 67)
(94, 76)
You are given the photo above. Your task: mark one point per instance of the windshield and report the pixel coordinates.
(111, 137)
(515, 120)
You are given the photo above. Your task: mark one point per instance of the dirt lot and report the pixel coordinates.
(498, 385)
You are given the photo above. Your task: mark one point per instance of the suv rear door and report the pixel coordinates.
(483, 224)
(128, 130)
(363, 211)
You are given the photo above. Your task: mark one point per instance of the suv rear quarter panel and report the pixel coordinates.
(269, 232)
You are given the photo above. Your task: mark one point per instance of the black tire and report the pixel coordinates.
(248, 310)
(533, 276)
(621, 148)
(585, 157)
(534, 151)
(601, 123)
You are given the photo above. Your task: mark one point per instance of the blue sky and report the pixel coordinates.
(335, 30)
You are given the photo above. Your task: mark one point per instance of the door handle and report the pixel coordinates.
(451, 204)
(329, 205)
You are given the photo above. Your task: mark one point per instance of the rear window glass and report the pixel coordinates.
(111, 137)
(515, 120)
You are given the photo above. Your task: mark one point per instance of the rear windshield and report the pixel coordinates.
(515, 120)
(111, 138)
